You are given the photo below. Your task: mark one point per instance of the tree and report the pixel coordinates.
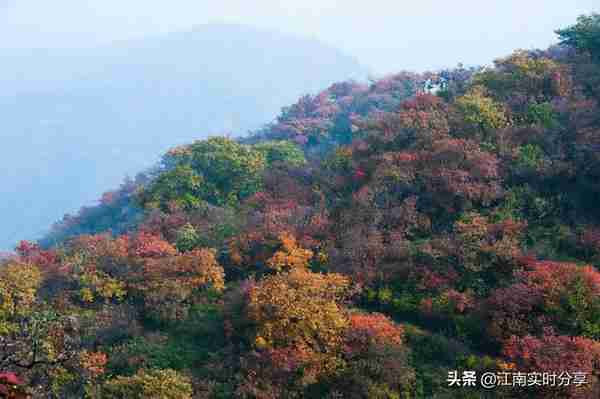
(564, 296)
(45, 341)
(10, 386)
(454, 173)
(486, 250)
(584, 35)
(148, 245)
(376, 361)
(181, 187)
(281, 151)
(523, 78)
(187, 238)
(481, 114)
(167, 285)
(372, 329)
(18, 294)
(298, 321)
(290, 256)
(218, 170)
(231, 171)
(148, 384)
(298, 308)
(558, 354)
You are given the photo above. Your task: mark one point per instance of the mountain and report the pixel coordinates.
(75, 122)
(431, 235)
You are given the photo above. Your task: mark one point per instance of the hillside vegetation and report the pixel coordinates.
(370, 240)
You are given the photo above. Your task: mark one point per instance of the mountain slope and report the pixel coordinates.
(376, 241)
(75, 122)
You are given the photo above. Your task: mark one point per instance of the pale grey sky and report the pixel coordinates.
(385, 35)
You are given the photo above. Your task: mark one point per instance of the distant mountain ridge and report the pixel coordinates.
(75, 122)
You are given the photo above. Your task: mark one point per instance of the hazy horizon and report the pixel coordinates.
(91, 116)
(396, 36)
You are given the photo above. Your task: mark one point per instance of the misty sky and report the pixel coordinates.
(385, 35)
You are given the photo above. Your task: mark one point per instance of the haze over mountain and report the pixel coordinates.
(76, 121)
(387, 36)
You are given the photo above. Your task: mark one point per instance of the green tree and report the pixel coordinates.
(148, 384)
(584, 35)
(219, 171)
(232, 171)
(181, 187)
(187, 238)
(281, 151)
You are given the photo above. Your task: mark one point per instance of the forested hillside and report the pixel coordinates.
(370, 241)
(75, 121)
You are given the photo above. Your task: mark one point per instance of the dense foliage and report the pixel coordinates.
(369, 241)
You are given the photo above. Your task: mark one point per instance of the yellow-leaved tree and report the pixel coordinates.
(18, 287)
(299, 314)
(148, 384)
(290, 256)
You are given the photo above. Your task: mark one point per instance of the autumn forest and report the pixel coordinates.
(373, 238)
